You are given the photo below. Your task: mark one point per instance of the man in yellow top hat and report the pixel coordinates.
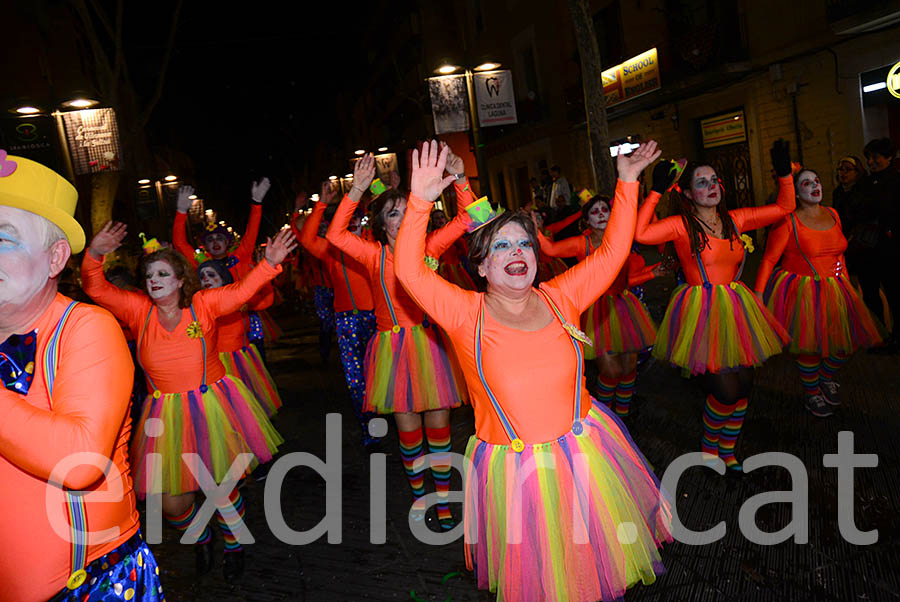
(69, 526)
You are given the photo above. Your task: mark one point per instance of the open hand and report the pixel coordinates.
(108, 239)
(328, 194)
(364, 172)
(259, 189)
(455, 163)
(426, 181)
(300, 201)
(279, 247)
(184, 200)
(631, 166)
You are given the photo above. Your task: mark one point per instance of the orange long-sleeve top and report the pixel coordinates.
(243, 253)
(172, 359)
(89, 414)
(557, 227)
(635, 271)
(232, 329)
(368, 253)
(824, 248)
(514, 360)
(721, 258)
(352, 289)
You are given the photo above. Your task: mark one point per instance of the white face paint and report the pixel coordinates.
(216, 244)
(24, 263)
(511, 262)
(393, 217)
(705, 190)
(598, 215)
(209, 278)
(355, 225)
(161, 280)
(809, 189)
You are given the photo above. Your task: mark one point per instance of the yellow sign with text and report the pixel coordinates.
(635, 77)
(723, 129)
(893, 81)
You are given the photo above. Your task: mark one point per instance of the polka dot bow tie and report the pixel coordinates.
(17, 361)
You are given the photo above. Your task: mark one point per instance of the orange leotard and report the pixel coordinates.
(352, 289)
(721, 258)
(89, 414)
(368, 253)
(232, 329)
(174, 360)
(824, 248)
(531, 373)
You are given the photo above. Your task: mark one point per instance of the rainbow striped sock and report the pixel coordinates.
(624, 393)
(230, 519)
(439, 445)
(410, 452)
(830, 365)
(809, 367)
(729, 435)
(606, 389)
(181, 523)
(714, 416)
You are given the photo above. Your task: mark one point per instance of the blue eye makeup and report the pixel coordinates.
(500, 245)
(8, 243)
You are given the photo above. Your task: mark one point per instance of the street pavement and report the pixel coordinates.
(666, 423)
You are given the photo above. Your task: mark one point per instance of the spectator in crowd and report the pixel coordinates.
(561, 191)
(848, 201)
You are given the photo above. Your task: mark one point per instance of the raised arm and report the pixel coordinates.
(649, 231)
(308, 235)
(179, 235)
(258, 192)
(639, 272)
(437, 242)
(775, 246)
(574, 246)
(750, 218)
(556, 227)
(125, 305)
(90, 399)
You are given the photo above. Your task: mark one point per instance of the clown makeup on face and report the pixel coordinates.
(24, 262)
(161, 280)
(598, 215)
(216, 244)
(511, 261)
(705, 191)
(210, 278)
(393, 217)
(809, 189)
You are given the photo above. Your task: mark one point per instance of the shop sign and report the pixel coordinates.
(495, 97)
(635, 77)
(93, 137)
(728, 128)
(449, 103)
(893, 81)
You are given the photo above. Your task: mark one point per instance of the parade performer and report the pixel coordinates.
(217, 241)
(811, 294)
(618, 323)
(553, 478)
(239, 356)
(70, 529)
(195, 407)
(410, 372)
(451, 266)
(714, 325)
(354, 307)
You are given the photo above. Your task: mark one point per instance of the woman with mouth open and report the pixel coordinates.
(715, 327)
(409, 370)
(559, 502)
(618, 323)
(811, 294)
(195, 407)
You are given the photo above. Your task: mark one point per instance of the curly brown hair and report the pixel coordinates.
(384, 203)
(181, 267)
(683, 205)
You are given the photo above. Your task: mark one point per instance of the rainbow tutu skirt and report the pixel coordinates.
(413, 370)
(247, 365)
(717, 328)
(213, 427)
(618, 324)
(824, 316)
(579, 519)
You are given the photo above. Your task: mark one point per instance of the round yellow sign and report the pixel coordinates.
(893, 81)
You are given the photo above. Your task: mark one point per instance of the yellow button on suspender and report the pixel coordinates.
(76, 579)
(517, 445)
(157, 394)
(396, 328)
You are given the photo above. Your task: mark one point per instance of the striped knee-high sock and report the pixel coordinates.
(830, 365)
(729, 435)
(624, 393)
(230, 519)
(809, 367)
(439, 446)
(606, 389)
(410, 452)
(182, 522)
(714, 416)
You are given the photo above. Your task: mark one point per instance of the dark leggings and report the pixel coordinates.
(728, 387)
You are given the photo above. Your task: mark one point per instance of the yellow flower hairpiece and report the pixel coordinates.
(194, 330)
(748, 243)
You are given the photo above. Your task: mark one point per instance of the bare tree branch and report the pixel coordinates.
(100, 58)
(160, 82)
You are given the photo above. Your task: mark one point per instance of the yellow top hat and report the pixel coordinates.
(28, 185)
